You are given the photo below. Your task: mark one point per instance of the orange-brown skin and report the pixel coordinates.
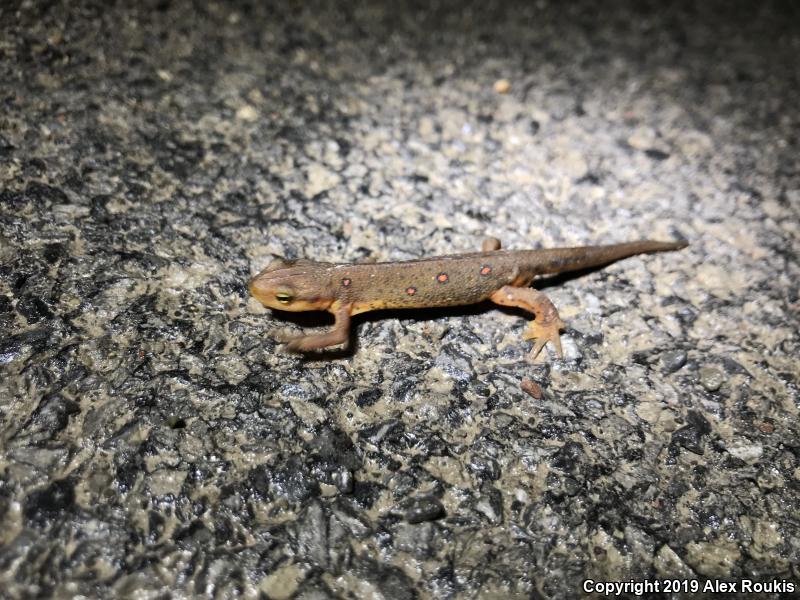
(501, 276)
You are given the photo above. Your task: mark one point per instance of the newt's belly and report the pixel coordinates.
(421, 284)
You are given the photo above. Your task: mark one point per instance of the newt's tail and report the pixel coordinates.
(559, 260)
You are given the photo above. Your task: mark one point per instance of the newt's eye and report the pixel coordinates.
(283, 297)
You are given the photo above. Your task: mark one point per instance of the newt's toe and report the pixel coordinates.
(543, 333)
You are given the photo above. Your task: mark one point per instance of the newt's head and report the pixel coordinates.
(294, 285)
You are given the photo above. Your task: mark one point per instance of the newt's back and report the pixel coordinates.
(442, 281)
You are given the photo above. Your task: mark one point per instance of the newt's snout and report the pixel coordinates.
(263, 288)
(285, 286)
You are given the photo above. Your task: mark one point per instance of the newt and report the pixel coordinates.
(502, 276)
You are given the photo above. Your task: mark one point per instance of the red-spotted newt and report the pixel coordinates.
(502, 276)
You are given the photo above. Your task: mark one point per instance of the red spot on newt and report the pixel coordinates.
(486, 269)
(346, 282)
(411, 290)
(442, 278)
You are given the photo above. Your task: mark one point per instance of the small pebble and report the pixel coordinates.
(673, 360)
(247, 113)
(423, 508)
(501, 86)
(533, 389)
(766, 427)
(711, 378)
(484, 466)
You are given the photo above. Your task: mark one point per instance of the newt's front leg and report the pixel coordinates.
(545, 327)
(338, 335)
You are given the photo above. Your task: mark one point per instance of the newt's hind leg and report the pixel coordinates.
(545, 327)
